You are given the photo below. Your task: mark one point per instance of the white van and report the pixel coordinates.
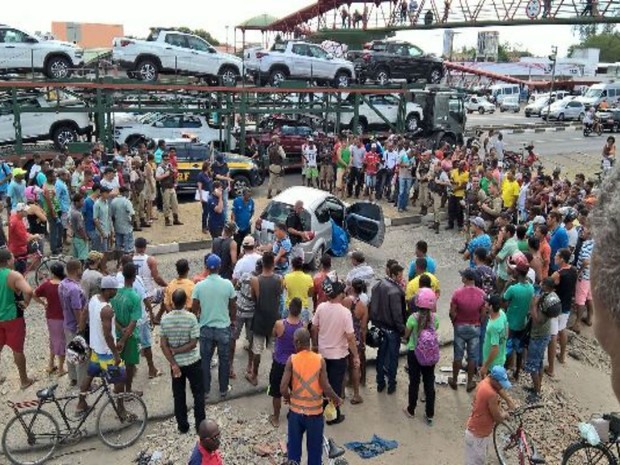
(602, 92)
(499, 91)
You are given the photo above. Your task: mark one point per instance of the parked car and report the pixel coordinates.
(535, 108)
(563, 110)
(169, 126)
(361, 220)
(384, 60)
(296, 59)
(479, 104)
(20, 51)
(610, 119)
(510, 104)
(59, 127)
(191, 155)
(292, 137)
(387, 105)
(169, 51)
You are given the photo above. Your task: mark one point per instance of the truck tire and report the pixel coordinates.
(58, 67)
(147, 70)
(239, 183)
(383, 76)
(228, 76)
(362, 126)
(342, 80)
(277, 77)
(64, 134)
(412, 123)
(435, 76)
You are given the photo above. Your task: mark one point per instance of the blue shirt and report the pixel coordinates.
(206, 182)
(40, 179)
(558, 240)
(17, 192)
(222, 170)
(87, 212)
(158, 155)
(243, 213)
(62, 193)
(431, 267)
(5, 171)
(479, 242)
(283, 265)
(216, 220)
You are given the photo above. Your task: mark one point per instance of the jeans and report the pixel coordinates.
(193, 374)
(225, 194)
(313, 426)
(124, 242)
(382, 181)
(483, 330)
(466, 338)
(95, 240)
(404, 186)
(55, 229)
(455, 211)
(336, 370)
(428, 378)
(387, 358)
(210, 338)
(205, 216)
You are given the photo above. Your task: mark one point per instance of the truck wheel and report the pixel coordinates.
(434, 77)
(240, 183)
(383, 77)
(412, 123)
(361, 128)
(449, 138)
(133, 141)
(342, 80)
(277, 77)
(481, 110)
(63, 135)
(58, 68)
(147, 70)
(228, 76)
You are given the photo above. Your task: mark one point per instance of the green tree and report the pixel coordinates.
(607, 43)
(507, 52)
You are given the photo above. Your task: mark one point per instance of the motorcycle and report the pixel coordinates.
(595, 127)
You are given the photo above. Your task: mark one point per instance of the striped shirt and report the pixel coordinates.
(181, 327)
(585, 253)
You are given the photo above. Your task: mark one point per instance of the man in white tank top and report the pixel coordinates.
(102, 337)
(309, 152)
(147, 270)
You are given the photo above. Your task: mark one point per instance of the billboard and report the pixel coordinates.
(488, 44)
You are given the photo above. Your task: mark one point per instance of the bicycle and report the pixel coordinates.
(32, 435)
(515, 446)
(584, 453)
(39, 263)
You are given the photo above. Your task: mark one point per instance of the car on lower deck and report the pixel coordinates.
(361, 220)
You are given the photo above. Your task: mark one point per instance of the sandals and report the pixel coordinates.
(275, 422)
(471, 386)
(157, 374)
(357, 401)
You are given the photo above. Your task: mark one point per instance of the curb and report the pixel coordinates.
(540, 130)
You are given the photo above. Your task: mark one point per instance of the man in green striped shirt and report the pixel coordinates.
(180, 332)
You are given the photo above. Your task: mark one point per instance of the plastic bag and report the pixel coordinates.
(589, 434)
(330, 412)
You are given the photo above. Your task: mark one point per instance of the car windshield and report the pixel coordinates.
(593, 93)
(277, 212)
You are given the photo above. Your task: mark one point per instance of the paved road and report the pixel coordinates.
(496, 118)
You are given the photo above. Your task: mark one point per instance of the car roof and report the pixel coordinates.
(310, 196)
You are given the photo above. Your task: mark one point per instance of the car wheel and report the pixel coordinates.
(277, 77)
(240, 183)
(581, 116)
(383, 77)
(133, 141)
(412, 123)
(435, 76)
(228, 76)
(561, 117)
(316, 259)
(342, 80)
(481, 110)
(469, 112)
(527, 115)
(58, 68)
(147, 70)
(63, 135)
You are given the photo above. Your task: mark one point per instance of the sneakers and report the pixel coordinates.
(429, 421)
(391, 389)
(223, 395)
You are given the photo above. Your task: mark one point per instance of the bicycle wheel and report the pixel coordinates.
(507, 444)
(33, 443)
(582, 453)
(122, 420)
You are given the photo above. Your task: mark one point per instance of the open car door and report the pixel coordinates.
(364, 221)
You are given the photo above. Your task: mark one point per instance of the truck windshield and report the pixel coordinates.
(594, 93)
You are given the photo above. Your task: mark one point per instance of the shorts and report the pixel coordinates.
(13, 334)
(466, 337)
(340, 172)
(240, 323)
(518, 340)
(146, 337)
(326, 173)
(79, 248)
(259, 344)
(371, 181)
(476, 449)
(536, 354)
(57, 337)
(275, 378)
(100, 363)
(124, 242)
(312, 172)
(583, 292)
(64, 220)
(131, 352)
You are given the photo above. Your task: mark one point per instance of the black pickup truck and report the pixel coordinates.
(383, 60)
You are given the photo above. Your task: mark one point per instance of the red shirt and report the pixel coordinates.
(372, 160)
(468, 300)
(49, 291)
(320, 295)
(201, 456)
(18, 236)
(335, 152)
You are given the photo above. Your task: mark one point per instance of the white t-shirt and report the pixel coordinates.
(247, 264)
(499, 147)
(310, 152)
(113, 184)
(97, 340)
(573, 236)
(391, 159)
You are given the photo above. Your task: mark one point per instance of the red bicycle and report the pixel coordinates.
(514, 446)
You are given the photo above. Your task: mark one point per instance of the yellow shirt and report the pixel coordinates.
(458, 178)
(414, 286)
(185, 284)
(297, 284)
(510, 192)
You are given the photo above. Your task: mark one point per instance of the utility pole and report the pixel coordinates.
(554, 58)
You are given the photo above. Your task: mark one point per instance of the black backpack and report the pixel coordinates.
(550, 305)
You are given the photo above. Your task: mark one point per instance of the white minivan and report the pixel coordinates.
(602, 92)
(500, 91)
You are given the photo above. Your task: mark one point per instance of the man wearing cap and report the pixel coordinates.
(486, 413)
(249, 257)
(213, 302)
(17, 188)
(5, 179)
(466, 310)
(309, 153)
(123, 217)
(19, 237)
(480, 240)
(102, 221)
(276, 155)
(110, 180)
(242, 213)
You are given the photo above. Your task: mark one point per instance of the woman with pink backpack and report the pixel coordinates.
(422, 352)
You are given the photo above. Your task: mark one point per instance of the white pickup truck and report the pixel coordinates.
(297, 60)
(176, 53)
(20, 51)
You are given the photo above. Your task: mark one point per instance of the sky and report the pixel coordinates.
(138, 15)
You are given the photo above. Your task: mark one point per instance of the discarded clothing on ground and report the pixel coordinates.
(376, 446)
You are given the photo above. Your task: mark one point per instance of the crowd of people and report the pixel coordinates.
(525, 282)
